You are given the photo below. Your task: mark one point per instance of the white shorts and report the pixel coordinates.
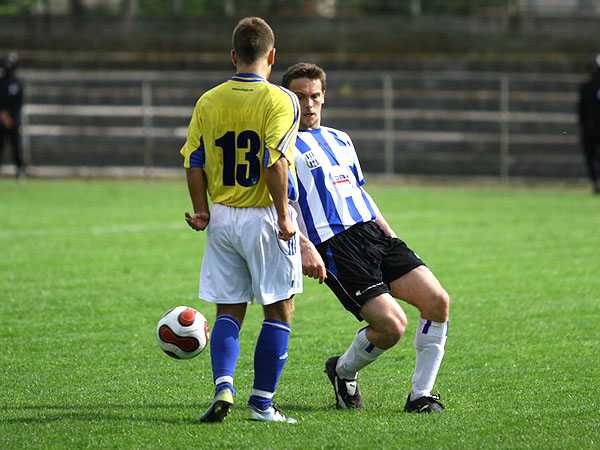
(245, 260)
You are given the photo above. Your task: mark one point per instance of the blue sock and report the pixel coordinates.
(224, 351)
(270, 356)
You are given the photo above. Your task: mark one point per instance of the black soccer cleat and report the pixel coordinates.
(347, 395)
(426, 404)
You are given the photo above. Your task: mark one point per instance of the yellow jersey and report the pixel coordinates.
(237, 129)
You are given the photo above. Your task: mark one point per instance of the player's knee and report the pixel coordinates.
(439, 306)
(397, 331)
(282, 311)
(394, 329)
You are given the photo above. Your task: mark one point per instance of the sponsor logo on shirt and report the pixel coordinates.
(341, 178)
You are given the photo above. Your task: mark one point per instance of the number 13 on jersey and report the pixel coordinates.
(245, 174)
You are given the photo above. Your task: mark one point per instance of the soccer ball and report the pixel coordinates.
(182, 332)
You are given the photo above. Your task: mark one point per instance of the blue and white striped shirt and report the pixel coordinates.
(329, 180)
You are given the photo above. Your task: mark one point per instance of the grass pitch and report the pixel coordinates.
(88, 267)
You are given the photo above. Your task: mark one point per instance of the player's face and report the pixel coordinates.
(311, 96)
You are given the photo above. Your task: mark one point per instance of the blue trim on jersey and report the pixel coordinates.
(353, 210)
(335, 210)
(247, 78)
(293, 193)
(302, 146)
(285, 140)
(345, 144)
(333, 218)
(368, 203)
(197, 157)
(318, 135)
(313, 236)
(266, 157)
(354, 170)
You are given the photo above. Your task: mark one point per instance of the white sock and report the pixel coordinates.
(430, 340)
(360, 353)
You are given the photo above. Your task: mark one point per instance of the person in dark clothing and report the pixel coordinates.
(11, 102)
(589, 121)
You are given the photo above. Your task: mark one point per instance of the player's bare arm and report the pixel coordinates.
(276, 178)
(379, 219)
(196, 181)
(312, 263)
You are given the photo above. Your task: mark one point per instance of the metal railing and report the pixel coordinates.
(411, 118)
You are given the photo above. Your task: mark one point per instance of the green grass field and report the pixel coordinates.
(88, 267)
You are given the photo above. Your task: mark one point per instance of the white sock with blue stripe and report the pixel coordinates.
(360, 353)
(430, 340)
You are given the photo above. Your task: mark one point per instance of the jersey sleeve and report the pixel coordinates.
(355, 167)
(193, 149)
(282, 127)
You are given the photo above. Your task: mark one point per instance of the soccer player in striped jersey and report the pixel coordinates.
(239, 151)
(347, 243)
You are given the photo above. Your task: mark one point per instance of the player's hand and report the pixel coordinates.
(312, 263)
(287, 229)
(198, 221)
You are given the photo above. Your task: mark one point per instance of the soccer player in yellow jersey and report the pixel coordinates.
(239, 151)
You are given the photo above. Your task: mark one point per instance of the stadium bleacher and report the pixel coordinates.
(443, 123)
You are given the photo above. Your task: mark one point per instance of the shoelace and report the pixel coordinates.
(436, 398)
(276, 409)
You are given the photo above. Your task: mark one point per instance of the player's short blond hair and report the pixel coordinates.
(252, 39)
(304, 70)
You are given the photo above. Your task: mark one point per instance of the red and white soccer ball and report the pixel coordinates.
(183, 332)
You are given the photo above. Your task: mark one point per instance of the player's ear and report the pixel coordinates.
(323, 95)
(234, 59)
(271, 57)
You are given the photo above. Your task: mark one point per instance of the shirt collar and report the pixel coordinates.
(247, 77)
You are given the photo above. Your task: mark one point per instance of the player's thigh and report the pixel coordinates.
(224, 277)
(421, 288)
(275, 265)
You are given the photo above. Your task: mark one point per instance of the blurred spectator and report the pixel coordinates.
(11, 102)
(589, 120)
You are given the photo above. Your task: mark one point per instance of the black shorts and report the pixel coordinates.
(362, 261)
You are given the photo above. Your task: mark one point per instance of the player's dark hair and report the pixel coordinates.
(304, 70)
(252, 38)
